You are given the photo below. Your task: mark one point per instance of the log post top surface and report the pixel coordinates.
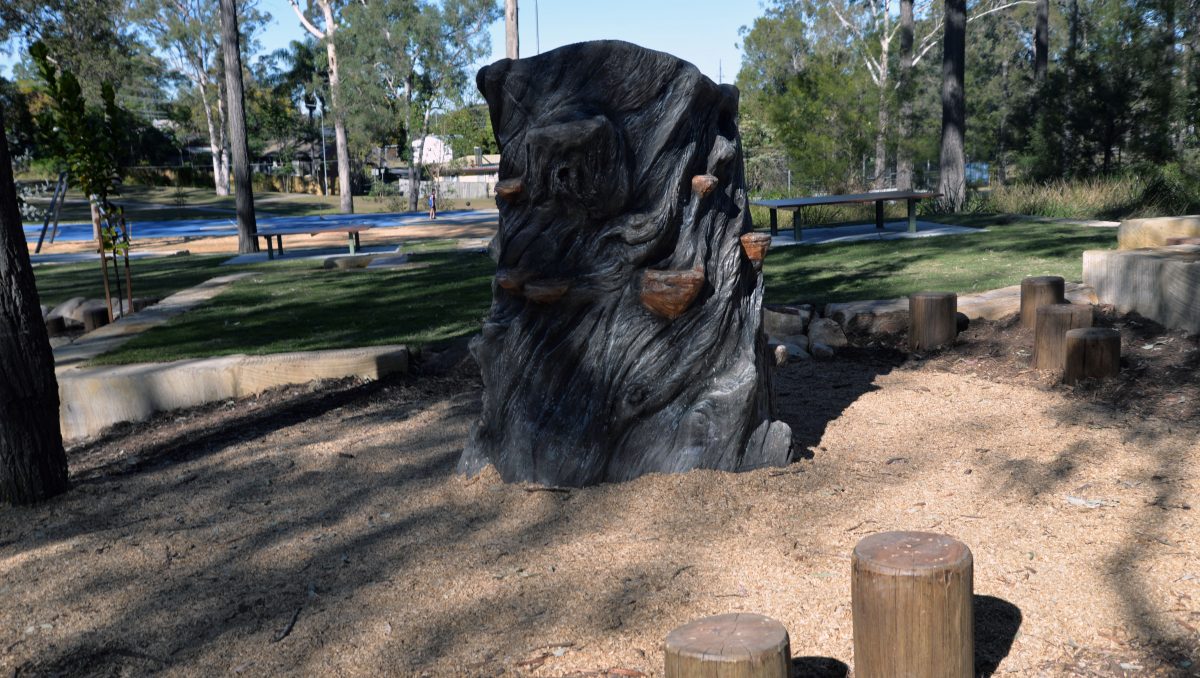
(931, 295)
(911, 553)
(1043, 280)
(713, 637)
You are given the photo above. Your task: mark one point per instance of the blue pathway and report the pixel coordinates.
(178, 228)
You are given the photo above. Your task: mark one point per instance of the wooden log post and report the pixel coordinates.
(95, 318)
(1050, 335)
(738, 645)
(1038, 291)
(911, 600)
(932, 319)
(1092, 353)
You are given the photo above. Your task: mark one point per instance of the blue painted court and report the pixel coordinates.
(227, 226)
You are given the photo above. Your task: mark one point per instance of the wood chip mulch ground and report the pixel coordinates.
(322, 531)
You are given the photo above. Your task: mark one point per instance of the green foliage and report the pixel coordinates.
(84, 138)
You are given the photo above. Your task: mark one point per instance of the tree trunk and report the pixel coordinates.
(339, 117)
(884, 117)
(33, 465)
(904, 163)
(1068, 149)
(414, 179)
(231, 50)
(625, 334)
(1002, 133)
(1041, 42)
(222, 126)
(214, 141)
(953, 181)
(512, 36)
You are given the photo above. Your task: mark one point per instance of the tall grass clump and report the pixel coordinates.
(1168, 190)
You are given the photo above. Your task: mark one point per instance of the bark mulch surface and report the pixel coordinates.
(322, 531)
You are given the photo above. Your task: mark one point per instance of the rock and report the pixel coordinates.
(348, 262)
(796, 353)
(45, 311)
(784, 321)
(67, 310)
(870, 317)
(826, 331)
(797, 339)
(822, 352)
(779, 353)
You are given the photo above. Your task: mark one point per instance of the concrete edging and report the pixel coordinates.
(93, 399)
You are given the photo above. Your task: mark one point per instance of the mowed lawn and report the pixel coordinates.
(886, 269)
(296, 305)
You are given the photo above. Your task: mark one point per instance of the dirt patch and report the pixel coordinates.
(321, 530)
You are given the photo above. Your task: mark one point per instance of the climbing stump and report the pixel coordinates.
(739, 645)
(1038, 291)
(1092, 353)
(94, 318)
(932, 319)
(1050, 337)
(911, 597)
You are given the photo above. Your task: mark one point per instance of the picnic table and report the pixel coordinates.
(877, 197)
(352, 232)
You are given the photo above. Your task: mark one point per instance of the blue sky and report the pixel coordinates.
(704, 32)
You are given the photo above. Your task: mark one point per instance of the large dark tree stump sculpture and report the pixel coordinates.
(625, 331)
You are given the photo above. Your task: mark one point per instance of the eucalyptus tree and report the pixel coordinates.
(33, 465)
(188, 32)
(324, 24)
(415, 56)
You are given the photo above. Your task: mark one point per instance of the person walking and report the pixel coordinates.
(433, 203)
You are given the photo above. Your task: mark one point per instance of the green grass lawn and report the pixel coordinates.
(303, 307)
(888, 269)
(157, 278)
(296, 305)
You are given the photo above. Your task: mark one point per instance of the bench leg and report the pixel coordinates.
(774, 222)
(879, 215)
(912, 215)
(353, 243)
(279, 245)
(797, 224)
(270, 249)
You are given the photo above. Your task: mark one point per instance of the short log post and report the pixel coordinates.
(1092, 353)
(738, 645)
(1050, 335)
(932, 319)
(95, 318)
(1038, 291)
(911, 600)
(56, 326)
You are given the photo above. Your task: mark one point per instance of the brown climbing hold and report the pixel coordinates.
(509, 188)
(755, 245)
(511, 279)
(703, 184)
(546, 291)
(670, 293)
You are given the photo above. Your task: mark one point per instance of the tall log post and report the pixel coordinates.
(911, 600)
(1050, 335)
(739, 645)
(932, 319)
(1038, 291)
(1092, 353)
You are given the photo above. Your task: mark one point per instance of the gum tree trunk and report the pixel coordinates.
(953, 182)
(33, 465)
(904, 163)
(625, 335)
(231, 51)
